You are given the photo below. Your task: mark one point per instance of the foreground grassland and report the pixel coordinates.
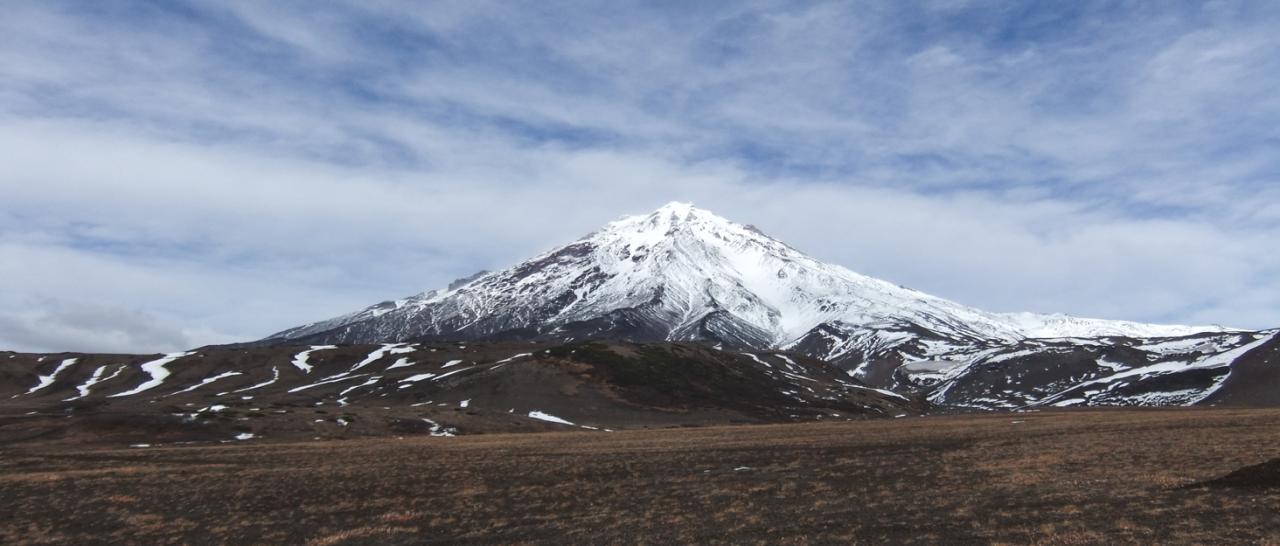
(1077, 477)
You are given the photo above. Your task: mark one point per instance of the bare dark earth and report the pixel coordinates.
(1187, 476)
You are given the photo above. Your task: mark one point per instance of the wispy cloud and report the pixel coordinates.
(231, 169)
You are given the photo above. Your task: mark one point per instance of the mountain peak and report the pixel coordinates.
(677, 208)
(676, 212)
(667, 223)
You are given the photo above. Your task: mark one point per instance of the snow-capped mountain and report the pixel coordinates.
(682, 273)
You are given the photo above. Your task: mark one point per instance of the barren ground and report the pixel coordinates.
(1066, 477)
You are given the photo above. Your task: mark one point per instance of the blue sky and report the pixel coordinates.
(184, 173)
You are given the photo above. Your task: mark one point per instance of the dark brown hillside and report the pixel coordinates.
(286, 392)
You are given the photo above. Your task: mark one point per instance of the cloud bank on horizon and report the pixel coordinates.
(182, 173)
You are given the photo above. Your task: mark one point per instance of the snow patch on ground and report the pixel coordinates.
(1190, 345)
(402, 363)
(371, 381)
(46, 380)
(206, 381)
(800, 377)
(548, 417)
(300, 360)
(417, 378)
(385, 349)
(156, 369)
(885, 392)
(513, 357)
(931, 368)
(1113, 366)
(439, 430)
(791, 364)
(94, 380)
(442, 376)
(331, 379)
(275, 376)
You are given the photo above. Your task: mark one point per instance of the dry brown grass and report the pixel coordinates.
(1062, 478)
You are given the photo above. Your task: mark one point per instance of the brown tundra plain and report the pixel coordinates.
(1186, 476)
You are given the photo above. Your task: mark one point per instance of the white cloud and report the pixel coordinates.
(57, 325)
(207, 185)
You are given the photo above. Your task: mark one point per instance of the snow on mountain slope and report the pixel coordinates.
(682, 273)
(1099, 372)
